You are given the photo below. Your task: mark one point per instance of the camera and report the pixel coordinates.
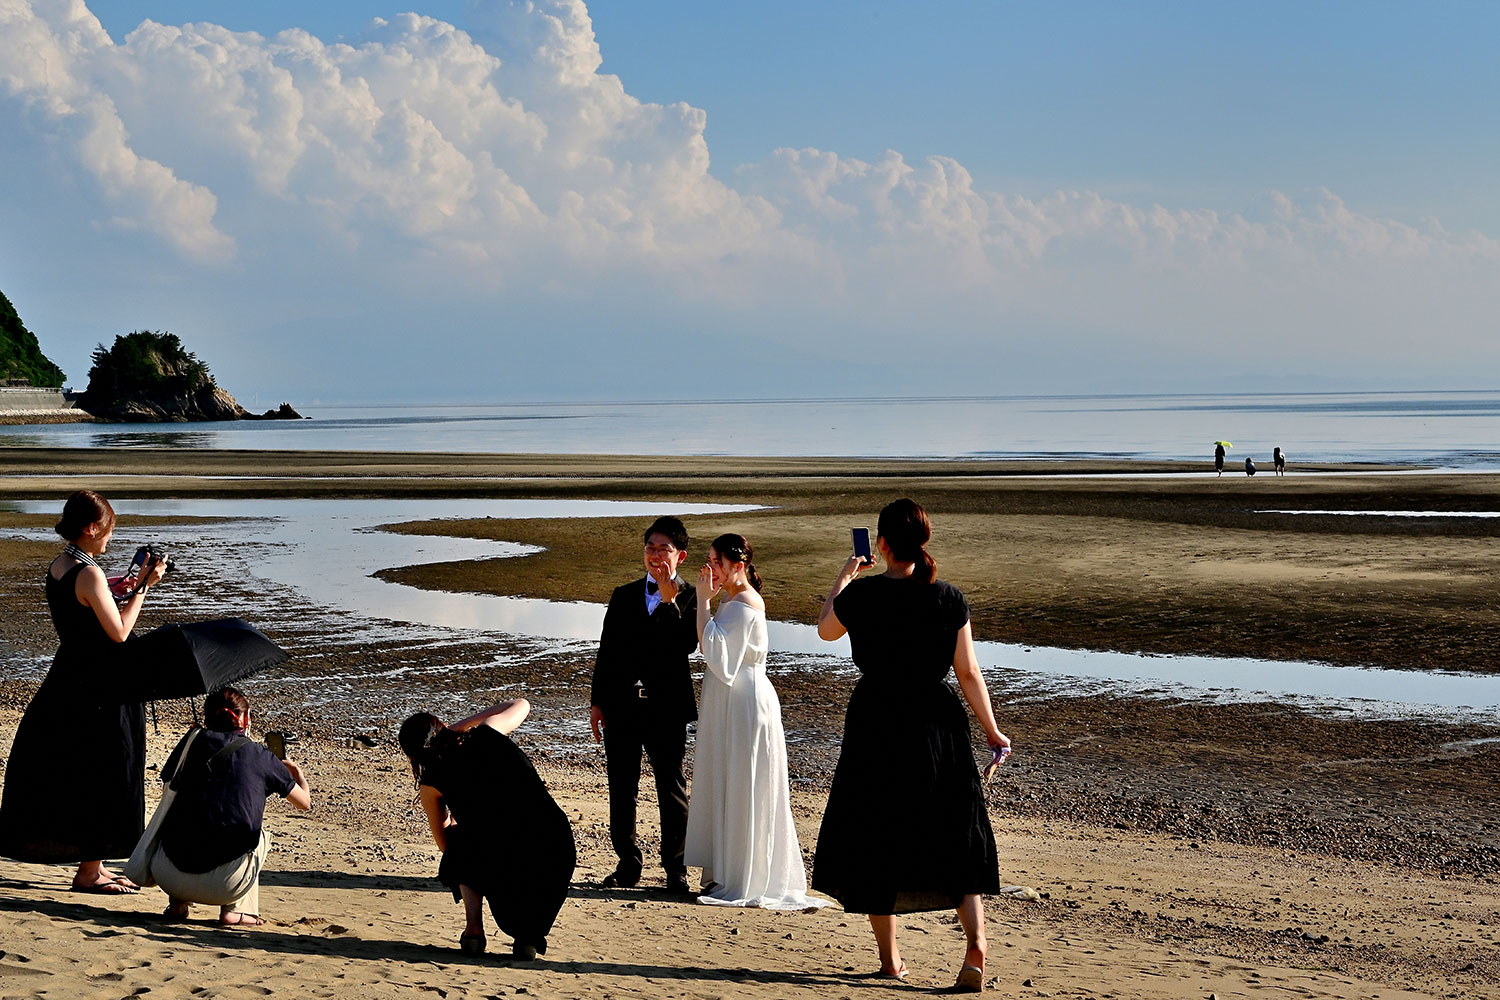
(151, 553)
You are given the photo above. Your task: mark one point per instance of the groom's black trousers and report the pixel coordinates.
(664, 746)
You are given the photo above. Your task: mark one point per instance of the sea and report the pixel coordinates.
(286, 543)
(1450, 430)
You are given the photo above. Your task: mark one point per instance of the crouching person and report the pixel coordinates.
(503, 837)
(212, 844)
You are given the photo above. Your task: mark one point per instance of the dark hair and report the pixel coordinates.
(906, 529)
(83, 509)
(423, 739)
(220, 709)
(736, 548)
(669, 526)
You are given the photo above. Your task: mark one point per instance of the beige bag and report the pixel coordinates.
(138, 868)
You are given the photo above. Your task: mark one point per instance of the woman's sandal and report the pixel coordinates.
(240, 919)
(970, 980)
(898, 974)
(471, 944)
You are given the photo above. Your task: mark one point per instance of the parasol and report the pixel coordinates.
(179, 661)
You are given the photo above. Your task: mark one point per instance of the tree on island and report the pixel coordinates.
(149, 376)
(21, 355)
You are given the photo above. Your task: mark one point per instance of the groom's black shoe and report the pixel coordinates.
(678, 884)
(619, 880)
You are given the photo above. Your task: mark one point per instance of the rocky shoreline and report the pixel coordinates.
(60, 416)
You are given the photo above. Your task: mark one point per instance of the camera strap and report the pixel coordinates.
(132, 591)
(82, 556)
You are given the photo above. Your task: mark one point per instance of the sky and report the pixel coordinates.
(480, 200)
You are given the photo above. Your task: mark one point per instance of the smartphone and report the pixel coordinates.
(862, 545)
(276, 743)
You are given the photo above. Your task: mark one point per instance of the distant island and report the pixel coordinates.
(144, 376)
(148, 376)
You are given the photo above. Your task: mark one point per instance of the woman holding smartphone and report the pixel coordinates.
(213, 842)
(906, 829)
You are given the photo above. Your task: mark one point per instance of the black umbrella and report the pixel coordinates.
(179, 661)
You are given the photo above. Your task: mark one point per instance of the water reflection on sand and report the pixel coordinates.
(326, 551)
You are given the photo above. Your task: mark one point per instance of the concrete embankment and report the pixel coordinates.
(29, 404)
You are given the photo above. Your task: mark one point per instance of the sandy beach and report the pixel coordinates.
(1176, 848)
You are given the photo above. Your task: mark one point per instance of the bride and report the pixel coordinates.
(740, 829)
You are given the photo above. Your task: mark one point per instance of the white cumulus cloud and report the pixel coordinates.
(423, 159)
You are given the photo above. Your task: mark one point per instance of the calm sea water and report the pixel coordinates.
(1446, 429)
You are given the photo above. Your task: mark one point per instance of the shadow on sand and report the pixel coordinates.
(206, 933)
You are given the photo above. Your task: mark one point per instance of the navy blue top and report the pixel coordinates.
(218, 811)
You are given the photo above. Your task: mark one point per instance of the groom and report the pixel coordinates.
(643, 701)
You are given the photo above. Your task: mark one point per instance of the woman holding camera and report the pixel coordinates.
(212, 842)
(906, 828)
(504, 840)
(75, 787)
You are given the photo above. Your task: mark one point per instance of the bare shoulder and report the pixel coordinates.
(89, 578)
(751, 599)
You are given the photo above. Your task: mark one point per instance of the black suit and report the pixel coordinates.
(644, 689)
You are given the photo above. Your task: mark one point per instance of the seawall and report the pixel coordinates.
(30, 399)
(32, 405)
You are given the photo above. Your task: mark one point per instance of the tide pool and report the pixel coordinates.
(326, 550)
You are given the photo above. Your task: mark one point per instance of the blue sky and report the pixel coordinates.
(833, 198)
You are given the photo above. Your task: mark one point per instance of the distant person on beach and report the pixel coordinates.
(504, 840)
(1219, 458)
(75, 780)
(642, 701)
(740, 829)
(213, 841)
(1279, 461)
(1249, 467)
(906, 829)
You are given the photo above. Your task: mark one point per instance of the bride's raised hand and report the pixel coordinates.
(708, 586)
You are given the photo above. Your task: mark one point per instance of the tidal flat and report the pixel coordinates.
(1134, 813)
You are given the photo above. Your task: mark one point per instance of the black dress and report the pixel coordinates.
(75, 783)
(905, 828)
(511, 843)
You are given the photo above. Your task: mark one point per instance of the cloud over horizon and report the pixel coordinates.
(423, 165)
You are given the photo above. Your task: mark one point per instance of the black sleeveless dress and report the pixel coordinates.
(905, 828)
(511, 843)
(75, 784)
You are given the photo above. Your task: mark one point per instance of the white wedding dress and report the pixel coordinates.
(740, 829)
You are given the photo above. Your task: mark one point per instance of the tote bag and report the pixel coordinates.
(138, 868)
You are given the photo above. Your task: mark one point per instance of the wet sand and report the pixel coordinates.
(1175, 564)
(1183, 848)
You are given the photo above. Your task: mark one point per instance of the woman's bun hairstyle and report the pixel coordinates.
(736, 548)
(83, 509)
(906, 528)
